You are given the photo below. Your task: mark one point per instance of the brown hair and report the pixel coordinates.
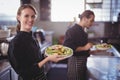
(87, 14)
(22, 7)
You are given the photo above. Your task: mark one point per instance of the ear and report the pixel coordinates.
(18, 17)
(84, 18)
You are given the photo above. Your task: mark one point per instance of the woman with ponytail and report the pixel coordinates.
(24, 52)
(77, 39)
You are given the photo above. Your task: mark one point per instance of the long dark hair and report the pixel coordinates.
(22, 7)
(87, 14)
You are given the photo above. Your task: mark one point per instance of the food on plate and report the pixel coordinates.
(60, 50)
(103, 46)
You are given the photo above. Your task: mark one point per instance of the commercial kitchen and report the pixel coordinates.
(101, 64)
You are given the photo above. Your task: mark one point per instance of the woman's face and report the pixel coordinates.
(89, 21)
(26, 18)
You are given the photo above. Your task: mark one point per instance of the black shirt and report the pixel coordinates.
(75, 37)
(27, 54)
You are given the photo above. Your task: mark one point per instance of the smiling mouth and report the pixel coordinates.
(30, 24)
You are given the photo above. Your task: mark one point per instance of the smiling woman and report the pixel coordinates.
(9, 11)
(25, 47)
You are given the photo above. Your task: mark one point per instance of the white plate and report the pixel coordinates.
(101, 46)
(68, 54)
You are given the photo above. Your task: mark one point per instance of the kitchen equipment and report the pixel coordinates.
(40, 35)
(104, 68)
(91, 34)
(4, 48)
(5, 33)
(101, 65)
(13, 30)
(112, 51)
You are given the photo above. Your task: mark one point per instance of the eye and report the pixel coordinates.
(33, 16)
(26, 16)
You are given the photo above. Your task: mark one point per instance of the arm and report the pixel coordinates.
(53, 58)
(84, 48)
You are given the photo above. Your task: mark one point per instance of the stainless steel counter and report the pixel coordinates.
(104, 65)
(105, 53)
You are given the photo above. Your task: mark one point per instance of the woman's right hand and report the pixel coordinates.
(88, 46)
(55, 58)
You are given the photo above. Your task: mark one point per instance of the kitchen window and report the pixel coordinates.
(67, 10)
(8, 9)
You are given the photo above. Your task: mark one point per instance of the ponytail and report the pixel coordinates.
(18, 27)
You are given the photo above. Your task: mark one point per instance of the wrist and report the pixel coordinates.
(41, 63)
(47, 59)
